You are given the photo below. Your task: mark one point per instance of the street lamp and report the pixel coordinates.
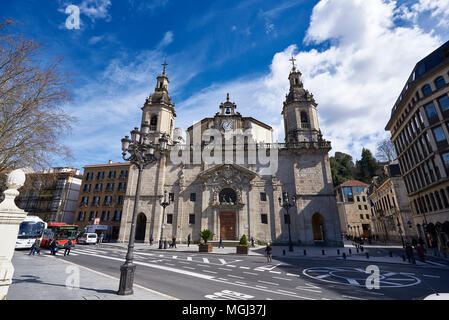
(287, 205)
(165, 202)
(396, 213)
(141, 154)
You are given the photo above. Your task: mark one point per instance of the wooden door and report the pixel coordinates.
(228, 225)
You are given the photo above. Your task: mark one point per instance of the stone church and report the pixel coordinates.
(227, 190)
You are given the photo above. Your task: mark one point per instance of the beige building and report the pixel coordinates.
(420, 134)
(392, 216)
(353, 209)
(236, 196)
(101, 198)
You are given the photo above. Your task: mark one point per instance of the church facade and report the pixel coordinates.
(225, 174)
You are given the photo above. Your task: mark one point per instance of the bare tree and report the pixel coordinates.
(385, 151)
(32, 121)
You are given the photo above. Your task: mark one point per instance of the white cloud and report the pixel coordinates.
(166, 40)
(438, 9)
(96, 9)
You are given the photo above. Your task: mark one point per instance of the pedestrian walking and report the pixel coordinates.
(35, 247)
(269, 252)
(409, 252)
(67, 247)
(53, 247)
(188, 240)
(101, 237)
(151, 240)
(436, 252)
(174, 241)
(252, 242)
(220, 244)
(420, 250)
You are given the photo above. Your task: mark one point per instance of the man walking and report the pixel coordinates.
(101, 237)
(409, 252)
(269, 252)
(67, 247)
(188, 240)
(53, 247)
(220, 244)
(35, 247)
(151, 239)
(174, 241)
(252, 242)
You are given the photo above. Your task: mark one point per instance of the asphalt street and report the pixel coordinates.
(195, 276)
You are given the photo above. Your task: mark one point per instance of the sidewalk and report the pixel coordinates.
(47, 278)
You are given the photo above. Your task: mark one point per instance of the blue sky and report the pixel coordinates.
(355, 56)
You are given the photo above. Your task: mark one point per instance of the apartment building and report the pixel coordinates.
(101, 198)
(419, 127)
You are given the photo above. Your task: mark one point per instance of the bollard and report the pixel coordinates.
(322, 251)
(344, 255)
(367, 255)
(357, 250)
(361, 248)
(350, 251)
(283, 251)
(391, 254)
(305, 252)
(338, 251)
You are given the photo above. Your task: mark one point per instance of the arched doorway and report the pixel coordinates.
(318, 227)
(141, 227)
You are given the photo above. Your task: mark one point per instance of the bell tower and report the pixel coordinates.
(159, 110)
(299, 111)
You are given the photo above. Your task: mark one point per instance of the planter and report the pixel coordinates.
(242, 250)
(206, 247)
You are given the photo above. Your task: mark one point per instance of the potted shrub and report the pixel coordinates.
(242, 248)
(206, 235)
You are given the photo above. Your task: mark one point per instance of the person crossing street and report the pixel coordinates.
(67, 247)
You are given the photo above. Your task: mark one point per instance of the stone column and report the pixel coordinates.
(10, 219)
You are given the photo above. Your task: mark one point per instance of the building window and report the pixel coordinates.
(124, 174)
(89, 176)
(193, 197)
(120, 200)
(191, 219)
(105, 216)
(358, 199)
(111, 174)
(439, 82)
(107, 200)
(364, 199)
(117, 215)
(264, 219)
(122, 186)
(426, 90)
(82, 216)
(92, 216)
(366, 207)
(263, 196)
(361, 216)
(86, 188)
(360, 207)
(153, 121)
(98, 187)
(445, 157)
(431, 111)
(439, 134)
(100, 175)
(84, 201)
(367, 216)
(444, 103)
(96, 201)
(169, 219)
(109, 187)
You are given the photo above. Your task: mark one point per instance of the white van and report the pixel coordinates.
(88, 238)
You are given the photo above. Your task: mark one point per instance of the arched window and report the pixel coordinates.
(318, 227)
(304, 117)
(141, 227)
(228, 196)
(153, 121)
(426, 90)
(439, 82)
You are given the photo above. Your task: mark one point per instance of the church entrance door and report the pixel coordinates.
(228, 225)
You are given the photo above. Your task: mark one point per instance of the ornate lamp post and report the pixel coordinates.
(142, 154)
(165, 202)
(287, 205)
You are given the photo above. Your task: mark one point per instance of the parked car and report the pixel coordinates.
(88, 238)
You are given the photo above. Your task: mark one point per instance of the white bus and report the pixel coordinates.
(31, 228)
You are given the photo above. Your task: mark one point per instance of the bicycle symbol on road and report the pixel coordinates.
(357, 277)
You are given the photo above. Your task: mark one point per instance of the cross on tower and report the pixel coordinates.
(293, 62)
(164, 65)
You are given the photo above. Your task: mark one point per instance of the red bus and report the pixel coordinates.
(62, 231)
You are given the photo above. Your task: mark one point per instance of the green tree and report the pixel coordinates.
(342, 168)
(367, 166)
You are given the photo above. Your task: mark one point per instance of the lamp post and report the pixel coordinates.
(141, 154)
(164, 203)
(396, 213)
(287, 205)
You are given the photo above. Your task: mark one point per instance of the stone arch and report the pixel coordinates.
(153, 121)
(141, 225)
(318, 227)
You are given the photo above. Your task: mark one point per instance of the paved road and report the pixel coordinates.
(206, 276)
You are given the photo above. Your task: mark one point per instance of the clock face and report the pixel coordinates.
(227, 125)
